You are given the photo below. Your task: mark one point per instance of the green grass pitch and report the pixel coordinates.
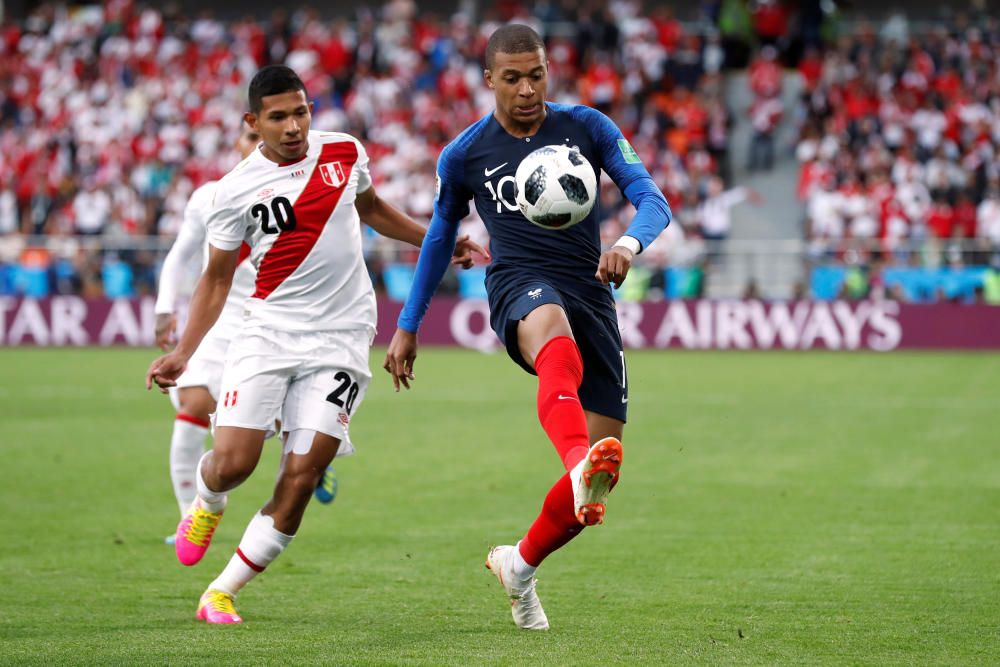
(775, 508)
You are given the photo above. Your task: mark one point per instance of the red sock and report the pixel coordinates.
(560, 372)
(554, 527)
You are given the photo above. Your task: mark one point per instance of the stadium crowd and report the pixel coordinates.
(900, 154)
(110, 116)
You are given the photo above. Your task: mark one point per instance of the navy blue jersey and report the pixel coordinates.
(479, 165)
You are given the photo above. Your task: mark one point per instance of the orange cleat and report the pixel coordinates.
(593, 478)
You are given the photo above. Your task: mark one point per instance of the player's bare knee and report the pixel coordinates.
(601, 426)
(539, 327)
(230, 465)
(196, 401)
(229, 470)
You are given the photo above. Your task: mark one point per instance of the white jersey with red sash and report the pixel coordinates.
(304, 233)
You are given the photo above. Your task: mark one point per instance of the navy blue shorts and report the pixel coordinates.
(605, 384)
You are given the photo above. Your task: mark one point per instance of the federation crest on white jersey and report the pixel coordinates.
(556, 187)
(333, 174)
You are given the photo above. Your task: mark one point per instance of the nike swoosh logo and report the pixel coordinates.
(624, 399)
(490, 172)
(566, 398)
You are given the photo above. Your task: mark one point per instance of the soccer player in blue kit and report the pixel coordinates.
(549, 293)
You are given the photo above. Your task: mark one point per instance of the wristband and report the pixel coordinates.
(631, 243)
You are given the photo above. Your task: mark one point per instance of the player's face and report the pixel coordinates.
(249, 138)
(519, 82)
(283, 124)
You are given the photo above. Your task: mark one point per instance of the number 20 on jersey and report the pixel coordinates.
(282, 212)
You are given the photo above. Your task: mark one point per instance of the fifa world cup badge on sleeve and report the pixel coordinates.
(628, 152)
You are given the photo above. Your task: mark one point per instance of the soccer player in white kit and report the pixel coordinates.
(303, 347)
(197, 388)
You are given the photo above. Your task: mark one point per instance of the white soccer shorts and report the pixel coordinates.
(315, 380)
(205, 366)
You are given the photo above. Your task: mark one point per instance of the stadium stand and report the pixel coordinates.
(110, 116)
(899, 162)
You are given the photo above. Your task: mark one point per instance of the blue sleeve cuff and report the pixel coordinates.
(652, 213)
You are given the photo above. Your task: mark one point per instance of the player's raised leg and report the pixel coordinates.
(545, 340)
(234, 457)
(307, 454)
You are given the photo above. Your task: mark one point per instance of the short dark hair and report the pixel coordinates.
(273, 80)
(512, 38)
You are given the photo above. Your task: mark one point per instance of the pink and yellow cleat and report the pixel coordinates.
(194, 533)
(217, 607)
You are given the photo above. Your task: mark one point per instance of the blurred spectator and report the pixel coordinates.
(765, 113)
(770, 21)
(714, 214)
(766, 109)
(988, 221)
(9, 214)
(91, 209)
(764, 74)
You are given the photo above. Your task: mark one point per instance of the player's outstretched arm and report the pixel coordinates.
(450, 206)
(186, 247)
(206, 304)
(390, 222)
(431, 265)
(620, 161)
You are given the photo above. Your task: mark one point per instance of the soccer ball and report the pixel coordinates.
(556, 187)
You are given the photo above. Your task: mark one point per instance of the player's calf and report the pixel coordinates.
(593, 478)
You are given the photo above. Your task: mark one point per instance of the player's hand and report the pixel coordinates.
(614, 265)
(464, 248)
(165, 371)
(400, 357)
(166, 325)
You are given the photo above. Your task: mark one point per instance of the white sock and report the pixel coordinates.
(213, 501)
(520, 567)
(260, 545)
(187, 444)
